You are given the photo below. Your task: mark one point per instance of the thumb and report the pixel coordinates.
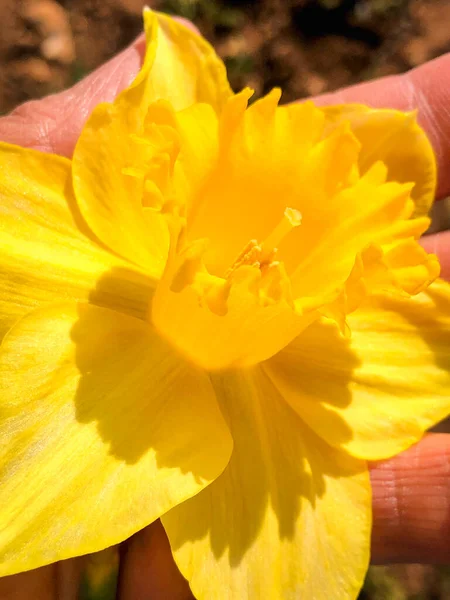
(54, 123)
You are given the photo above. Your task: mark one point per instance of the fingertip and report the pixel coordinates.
(386, 92)
(430, 92)
(411, 504)
(39, 584)
(147, 569)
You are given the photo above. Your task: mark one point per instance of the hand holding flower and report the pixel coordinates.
(270, 309)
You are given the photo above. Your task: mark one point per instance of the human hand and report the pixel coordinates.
(411, 492)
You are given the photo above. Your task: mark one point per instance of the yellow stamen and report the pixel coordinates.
(250, 255)
(291, 218)
(261, 255)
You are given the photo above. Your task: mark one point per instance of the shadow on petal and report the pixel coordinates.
(313, 375)
(143, 397)
(279, 475)
(429, 314)
(127, 291)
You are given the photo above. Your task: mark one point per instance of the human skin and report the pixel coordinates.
(411, 492)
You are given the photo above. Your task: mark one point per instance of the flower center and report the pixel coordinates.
(263, 255)
(238, 319)
(227, 302)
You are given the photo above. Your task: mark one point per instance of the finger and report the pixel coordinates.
(59, 581)
(426, 88)
(53, 124)
(39, 584)
(147, 569)
(411, 504)
(439, 244)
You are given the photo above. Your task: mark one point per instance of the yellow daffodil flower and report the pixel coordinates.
(214, 314)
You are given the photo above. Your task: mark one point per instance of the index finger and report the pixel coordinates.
(427, 89)
(54, 123)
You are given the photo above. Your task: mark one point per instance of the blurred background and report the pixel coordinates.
(304, 46)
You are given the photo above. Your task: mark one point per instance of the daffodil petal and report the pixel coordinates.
(219, 324)
(197, 127)
(402, 269)
(313, 171)
(104, 428)
(179, 66)
(395, 138)
(46, 251)
(264, 166)
(381, 219)
(109, 188)
(375, 393)
(288, 518)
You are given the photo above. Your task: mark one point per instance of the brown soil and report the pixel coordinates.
(45, 45)
(308, 47)
(304, 46)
